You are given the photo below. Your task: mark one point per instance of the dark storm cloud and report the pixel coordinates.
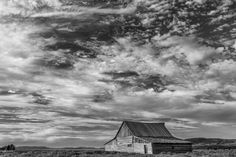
(67, 34)
(58, 62)
(65, 46)
(74, 49)
(103, 97)
(129, 79)
(40, 99)
(157, 83)
(125, 74)
(83, 28)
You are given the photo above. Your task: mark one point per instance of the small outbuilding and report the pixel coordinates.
(146, 138)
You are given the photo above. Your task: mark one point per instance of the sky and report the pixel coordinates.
(58, 88)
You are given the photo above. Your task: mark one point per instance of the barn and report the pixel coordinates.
(146, 138)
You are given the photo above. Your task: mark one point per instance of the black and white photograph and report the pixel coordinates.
(117, 78)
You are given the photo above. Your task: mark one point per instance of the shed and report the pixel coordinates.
(146, 138)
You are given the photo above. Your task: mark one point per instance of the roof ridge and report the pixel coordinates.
(144, 122)
(157, 137)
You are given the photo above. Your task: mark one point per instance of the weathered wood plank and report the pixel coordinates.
(124, 131)
(124, 140)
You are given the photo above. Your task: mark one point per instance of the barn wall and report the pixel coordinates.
(110, 146)
(126, 145)
(123, 141)
(139, 144)
(121, 144)
(124, 131)
(139, 148)
(135, 147)
(123, 148)
(175, 148)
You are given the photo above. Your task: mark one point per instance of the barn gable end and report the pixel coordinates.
(124, 131)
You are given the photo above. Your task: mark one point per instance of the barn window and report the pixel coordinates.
(129, 145)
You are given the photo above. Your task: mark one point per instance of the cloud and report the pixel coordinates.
(225, 71)
(26, 7)
(200, 1)
(72, 11)
(204, 112)
(186, 48)
(234, 45)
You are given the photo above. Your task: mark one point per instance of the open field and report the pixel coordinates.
(101, 153)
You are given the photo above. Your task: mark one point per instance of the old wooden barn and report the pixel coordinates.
(146, 138)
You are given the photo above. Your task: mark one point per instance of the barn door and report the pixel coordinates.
(145, 149)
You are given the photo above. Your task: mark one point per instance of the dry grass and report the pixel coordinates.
(91, 153)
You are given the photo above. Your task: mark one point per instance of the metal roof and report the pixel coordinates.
(148, 129)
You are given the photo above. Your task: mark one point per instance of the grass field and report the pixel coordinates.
(100, 153)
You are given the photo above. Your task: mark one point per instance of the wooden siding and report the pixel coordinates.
(176, 148)
(139, 148)
(139, 140)
(121, 144)
(111, 142)
(130, 148)
(124, 131)
(124, 140)
(119, 148)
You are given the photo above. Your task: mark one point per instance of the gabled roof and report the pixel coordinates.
(148, 129)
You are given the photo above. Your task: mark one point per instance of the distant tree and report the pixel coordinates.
(12, 147)
(8, 147)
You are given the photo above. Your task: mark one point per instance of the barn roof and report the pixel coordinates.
(148, 129)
